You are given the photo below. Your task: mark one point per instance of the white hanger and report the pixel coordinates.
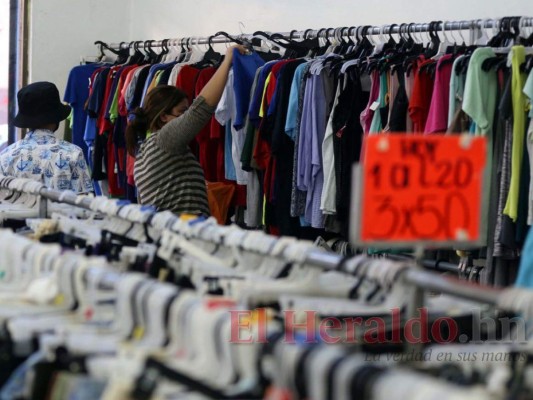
(460, 32)
(155, 324)
(444, 44)
(124, 324)
(482, 39)
(382, 40)
(177, 319)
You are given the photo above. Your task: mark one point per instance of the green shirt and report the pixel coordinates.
(518, 57)
(481, 88)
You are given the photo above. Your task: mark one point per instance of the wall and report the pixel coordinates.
(64, 30)
(203, 17)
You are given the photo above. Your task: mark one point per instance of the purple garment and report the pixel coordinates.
(368, 114)
(304, 146)
(313, 214)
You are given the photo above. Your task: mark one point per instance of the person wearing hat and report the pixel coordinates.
(40, 155)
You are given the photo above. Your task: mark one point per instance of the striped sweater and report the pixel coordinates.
(166, 173)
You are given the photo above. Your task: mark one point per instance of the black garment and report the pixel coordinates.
(282, 153)
(94, 102)
(400, 106)
(141, 80)
(488, 275)
(508, 233)
(100, 157)
(46, 371)
(347, 140)
(9, 361)
(165, 75)
(119, 141)
(522, 227)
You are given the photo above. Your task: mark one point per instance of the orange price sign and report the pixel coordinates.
(420, 190)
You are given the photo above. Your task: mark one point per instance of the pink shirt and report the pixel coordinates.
(368, 113)
(438, 112)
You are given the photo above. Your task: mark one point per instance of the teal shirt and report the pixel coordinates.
(377, 124)
(457, 91)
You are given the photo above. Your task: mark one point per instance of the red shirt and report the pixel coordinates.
(186, 80)
(125, 78)
(207, 146)
(421, 99)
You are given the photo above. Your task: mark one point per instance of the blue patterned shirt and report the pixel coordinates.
(42, 157)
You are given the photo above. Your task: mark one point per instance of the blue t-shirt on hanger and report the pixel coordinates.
(244, 69)
(76, 94)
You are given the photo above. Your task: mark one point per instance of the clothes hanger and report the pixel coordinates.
(152, 56)
(434, 43)
(444, 44)
(210, 57)
(103, 57)
(277, 46)
(154, 315)
(380, 45)
(164, 51)
(480, 35)
(504, 37)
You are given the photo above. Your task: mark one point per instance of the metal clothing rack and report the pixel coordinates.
(415, 277)
(436, 26)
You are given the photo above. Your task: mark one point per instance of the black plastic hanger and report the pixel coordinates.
(152, 55)
(122, 54)
(137, 57)
(505, 36)
(211, 57)
(527, 66)
(164, 50)
(433, 45)
(226, 35)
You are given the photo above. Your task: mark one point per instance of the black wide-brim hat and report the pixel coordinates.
(39, 104)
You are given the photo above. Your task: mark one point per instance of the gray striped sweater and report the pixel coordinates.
(167, 174)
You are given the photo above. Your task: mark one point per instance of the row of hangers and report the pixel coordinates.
(350, 43)
(139, 310)
(189, 332)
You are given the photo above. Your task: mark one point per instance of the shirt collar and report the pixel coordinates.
(41, 132)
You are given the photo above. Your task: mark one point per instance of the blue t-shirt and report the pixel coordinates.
(244, 69)
(525, 271)
(257, 98)
(151, 76)
(76, 94)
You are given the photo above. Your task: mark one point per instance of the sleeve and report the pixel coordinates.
(81, 169)
(70, 91)
(175, 136)
(222, 109)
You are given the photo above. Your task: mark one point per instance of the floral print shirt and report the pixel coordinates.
(42, 157)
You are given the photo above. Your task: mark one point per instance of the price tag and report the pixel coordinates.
(414, 190)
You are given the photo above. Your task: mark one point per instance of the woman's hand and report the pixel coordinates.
(214, 88)
(229, 52)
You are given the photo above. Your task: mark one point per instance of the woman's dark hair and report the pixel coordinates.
(162, 99)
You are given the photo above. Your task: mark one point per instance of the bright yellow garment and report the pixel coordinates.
(518, 57)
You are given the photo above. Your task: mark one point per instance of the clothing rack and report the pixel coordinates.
(436, 26)
(416, 277)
